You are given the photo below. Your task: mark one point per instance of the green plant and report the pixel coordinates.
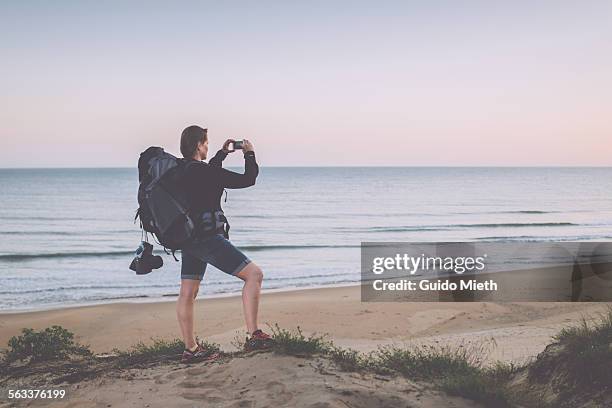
(426, 362)
(581, 355)
(142, 353)
(488, 385)
(238, 340)
(347, 359)
(52, 343)
(295, 343)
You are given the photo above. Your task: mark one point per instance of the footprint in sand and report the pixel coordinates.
(166, 378)
(209, 383)
(206, 397)
(191, 384)
(202, 390)
(197, 370)
(277, 393)
(204, 384)
(217, 369)
(243, 404)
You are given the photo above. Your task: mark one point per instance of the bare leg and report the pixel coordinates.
(252, 276)
(184, 310)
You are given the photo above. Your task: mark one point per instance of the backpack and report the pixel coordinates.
(163, 209)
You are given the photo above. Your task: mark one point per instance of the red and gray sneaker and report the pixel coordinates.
(199, 355)
(258, 341)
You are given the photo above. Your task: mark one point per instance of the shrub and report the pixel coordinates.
(160, 349)
(347, 359)
(52, 343)
(295, 343)
(426, 362)
(581, 356)
(488, 385)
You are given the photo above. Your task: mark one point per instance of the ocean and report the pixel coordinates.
(67, 235)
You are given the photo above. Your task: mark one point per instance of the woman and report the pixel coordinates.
(205, 183)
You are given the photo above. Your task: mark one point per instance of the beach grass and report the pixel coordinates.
(587, 351)
(426, 362)
(456, 370)
(52, 343)
(577, 362)
(486, 385)
(294, 342)
(158, 350)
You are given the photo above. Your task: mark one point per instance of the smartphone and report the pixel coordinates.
(237, 145)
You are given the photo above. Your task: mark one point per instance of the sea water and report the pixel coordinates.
(67, 235)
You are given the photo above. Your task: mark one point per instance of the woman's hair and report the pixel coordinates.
(190, 138)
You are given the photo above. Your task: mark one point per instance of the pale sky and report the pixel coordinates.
(91, 83)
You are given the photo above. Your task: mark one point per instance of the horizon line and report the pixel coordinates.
(326, 166)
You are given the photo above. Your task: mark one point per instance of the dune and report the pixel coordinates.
(262, 380)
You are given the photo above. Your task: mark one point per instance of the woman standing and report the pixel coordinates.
(204, 183)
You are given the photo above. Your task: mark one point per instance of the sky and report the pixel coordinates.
(430, 83)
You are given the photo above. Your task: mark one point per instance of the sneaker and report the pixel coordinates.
(258, 341)
(200, 354)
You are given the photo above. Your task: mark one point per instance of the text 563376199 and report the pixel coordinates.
(36, 394)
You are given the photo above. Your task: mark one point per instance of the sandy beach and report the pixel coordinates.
(515, 331)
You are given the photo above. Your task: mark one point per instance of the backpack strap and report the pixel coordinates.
(170, 252)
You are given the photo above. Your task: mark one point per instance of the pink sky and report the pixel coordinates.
(310, 84)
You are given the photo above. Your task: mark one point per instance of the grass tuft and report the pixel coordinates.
(295, 343)
(580, 357)
(488, 385)
(348, 359)
(427, 362)
(159, 349)
(52, 343)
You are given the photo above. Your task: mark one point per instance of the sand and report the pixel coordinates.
(513, 332)
(520, 330)
(263, 380)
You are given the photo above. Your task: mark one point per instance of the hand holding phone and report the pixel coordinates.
(226, 146)
(232, 145)
(247, 146)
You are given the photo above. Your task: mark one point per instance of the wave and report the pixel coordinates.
(69, 233)
(519, 224)
(456, 226)
(276, 247)
(40, 233)
(49, 218)
(399, 229)
(529, 212)
(387, 214)
(82, 287)
(504, 212)
(535, 238)
(26, 257)
(73, 288)
(108, 254)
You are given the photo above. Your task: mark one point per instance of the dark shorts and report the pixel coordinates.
(214, 250)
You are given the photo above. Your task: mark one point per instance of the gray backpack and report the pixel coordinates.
(164, 209)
